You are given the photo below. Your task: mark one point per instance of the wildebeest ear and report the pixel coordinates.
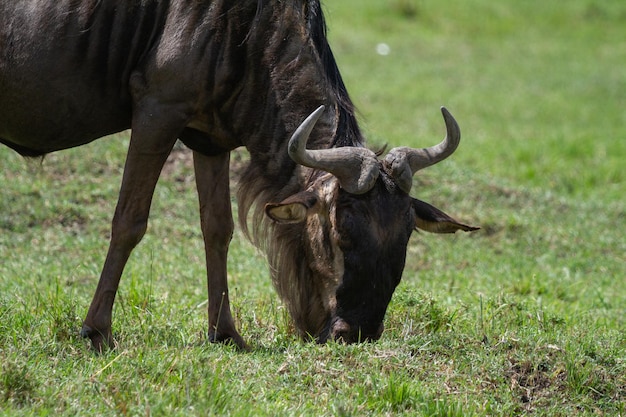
(433, 220)
(294, 209)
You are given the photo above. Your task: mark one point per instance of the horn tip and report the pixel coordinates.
(448, 117)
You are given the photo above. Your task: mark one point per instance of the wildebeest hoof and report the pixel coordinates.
(228, 338)
(100, 340)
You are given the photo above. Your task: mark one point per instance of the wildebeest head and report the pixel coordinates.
(358, 218)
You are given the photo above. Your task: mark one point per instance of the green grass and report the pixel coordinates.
(525, 317)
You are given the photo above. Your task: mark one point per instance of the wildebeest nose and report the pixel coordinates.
(340, 331)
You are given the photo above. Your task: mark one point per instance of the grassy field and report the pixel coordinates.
(525, 317)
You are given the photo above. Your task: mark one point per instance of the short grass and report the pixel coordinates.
(525, 317)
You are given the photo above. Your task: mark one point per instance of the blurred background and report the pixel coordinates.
(538, 87)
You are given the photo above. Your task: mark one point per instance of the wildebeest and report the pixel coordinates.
(333, 217)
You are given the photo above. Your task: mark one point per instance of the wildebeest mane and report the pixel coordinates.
(348, 133)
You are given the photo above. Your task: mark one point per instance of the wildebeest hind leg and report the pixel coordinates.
(150, 144)
(217, 228)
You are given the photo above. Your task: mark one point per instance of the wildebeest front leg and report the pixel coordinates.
(149, 147)
(217, 228)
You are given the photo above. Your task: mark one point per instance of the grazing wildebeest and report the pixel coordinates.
(334, 219)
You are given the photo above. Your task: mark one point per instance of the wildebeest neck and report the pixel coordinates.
(303, 74)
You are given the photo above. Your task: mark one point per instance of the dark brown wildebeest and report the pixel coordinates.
(334, 219)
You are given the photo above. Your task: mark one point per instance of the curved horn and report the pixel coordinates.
(404, 162)
(355, 168)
